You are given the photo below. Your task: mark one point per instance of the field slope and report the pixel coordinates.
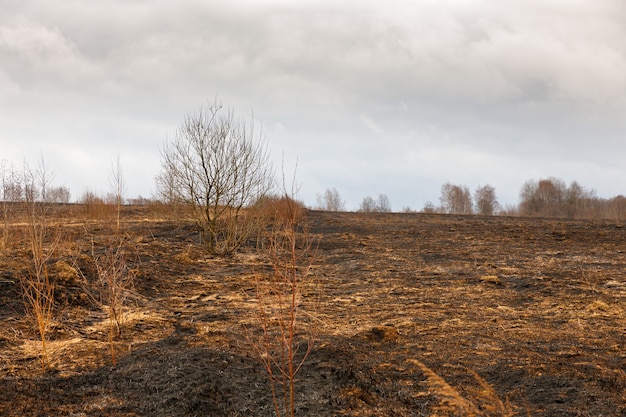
(417, 314)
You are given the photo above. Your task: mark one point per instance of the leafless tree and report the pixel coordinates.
(543, 198)
(485, 200)
(59, 195)
(579, 201)
(616, 208)
(382, 204)
(429, 207)
(455, 199)
(217, 165)
(368, 205)
(330, 201)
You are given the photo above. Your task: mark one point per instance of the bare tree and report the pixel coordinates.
(543, 198)
(616, 207)
(59, 195)
(383, 205)
(330, 201)
(485, 200)
(429, 207)
(368, 205)
(455, 199)
(217, 165)
(380, 205)
(578, 200)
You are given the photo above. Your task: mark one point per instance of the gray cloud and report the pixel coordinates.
(370, 97)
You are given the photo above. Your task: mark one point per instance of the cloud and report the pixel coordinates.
(368, 123)
(472, 89)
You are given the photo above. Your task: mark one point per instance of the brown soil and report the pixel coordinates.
(418, 315)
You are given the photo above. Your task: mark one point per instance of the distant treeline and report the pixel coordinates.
(550, 197)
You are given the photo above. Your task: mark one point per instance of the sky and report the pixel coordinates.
(368, 97)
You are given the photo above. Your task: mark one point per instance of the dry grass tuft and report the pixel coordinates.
(451, 403)
(599, 307)
(491, 279)
(489, 400)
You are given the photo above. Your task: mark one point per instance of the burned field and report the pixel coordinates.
(415, 314)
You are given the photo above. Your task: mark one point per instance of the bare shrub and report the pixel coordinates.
(38, 293)
(37, 288)
(274, 209)
(94, 206)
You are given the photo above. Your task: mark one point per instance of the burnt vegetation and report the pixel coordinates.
(414, 314)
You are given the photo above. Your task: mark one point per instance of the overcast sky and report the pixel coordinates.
(370, 97)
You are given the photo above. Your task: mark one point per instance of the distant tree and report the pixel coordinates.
(90, 197)
(368, 205)
(509, 210)
(330, 201)
(118, 186)
(543, 198)
(616, 208)
(578, 201)
(455, 199)
(140, 201)
(429, 207)
(382, 204)
(485, 200)
(166, 188)
(11, 183)
(11, 192)
(58, 195)
(529, 204)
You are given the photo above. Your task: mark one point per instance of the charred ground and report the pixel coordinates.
(418, 314)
